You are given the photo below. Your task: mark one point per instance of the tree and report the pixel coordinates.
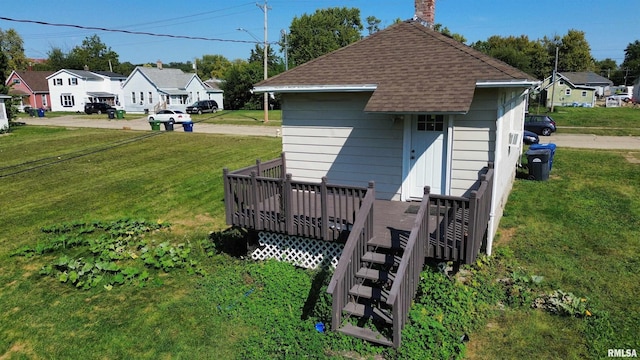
(606, 67)
(4, 89)
(519, 52)
(239, 80)
(92, 53)
(311, 36)
(212, 66)
(373, 24)
(631, 64)
(56, 59)
(445, 30)
(12, 46)
(575, 52)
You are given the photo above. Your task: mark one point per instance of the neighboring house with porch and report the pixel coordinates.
(575, 89)
(149, 89)
(71, 89)
(396, 148)
(31, 87)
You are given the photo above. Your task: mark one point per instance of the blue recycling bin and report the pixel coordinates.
(40, 112)
(551, 147)
(188, 126)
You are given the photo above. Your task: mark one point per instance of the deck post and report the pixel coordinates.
(283, 171)
(471, 238)
(287, 200)
(324, 212)
(228, 207)
(254, 201)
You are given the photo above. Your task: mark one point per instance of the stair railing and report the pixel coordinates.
(407, 278)
(350, 261)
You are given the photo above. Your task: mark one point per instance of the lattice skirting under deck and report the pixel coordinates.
(303, 252)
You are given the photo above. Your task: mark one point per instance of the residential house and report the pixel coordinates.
(403, 145)
(150, 89)
(574, 89)
(71, 89)
(31, 87)
(4, 118)
(214, 92)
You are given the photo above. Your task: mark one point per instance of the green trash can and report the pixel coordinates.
(155, 125)
(120, 114)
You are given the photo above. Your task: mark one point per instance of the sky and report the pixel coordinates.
(609, 26)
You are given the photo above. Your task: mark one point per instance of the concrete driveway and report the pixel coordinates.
(141, 123)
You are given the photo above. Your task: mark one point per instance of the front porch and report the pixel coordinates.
(385, 242)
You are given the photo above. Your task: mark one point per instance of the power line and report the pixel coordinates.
(125, 31)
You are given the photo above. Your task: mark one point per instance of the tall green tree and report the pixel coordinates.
(212, 66)
(12, 45)
(239, 80)
(373, 24)
(94, 54)
(631, 64)
(311, 36)
(445, 30)
(4, 90)
(575, 52)
(520, 52)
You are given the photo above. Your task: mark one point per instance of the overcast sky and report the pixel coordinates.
(609, 25)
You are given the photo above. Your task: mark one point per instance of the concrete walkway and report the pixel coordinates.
(141, 123)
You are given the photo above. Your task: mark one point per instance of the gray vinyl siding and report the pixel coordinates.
(345, 144)
(474, 140)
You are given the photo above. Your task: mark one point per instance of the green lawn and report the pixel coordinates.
(622, 121)
(61, 188)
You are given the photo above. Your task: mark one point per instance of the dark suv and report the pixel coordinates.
(202, 106)
(539, 124)
(97, 108)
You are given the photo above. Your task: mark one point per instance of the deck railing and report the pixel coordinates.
(457, 219)
(344, 277)
(264, 198)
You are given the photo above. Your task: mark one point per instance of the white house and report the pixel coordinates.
(71, 89)
(4, 119)
(149, 89)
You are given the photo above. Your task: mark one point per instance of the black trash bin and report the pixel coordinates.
(168, 125)
(550, 146)
(111, 113)
(538, 163)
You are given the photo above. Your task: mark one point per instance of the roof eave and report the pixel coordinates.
(315, 88)
(524, 83)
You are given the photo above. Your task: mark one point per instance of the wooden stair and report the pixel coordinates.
(368, 297)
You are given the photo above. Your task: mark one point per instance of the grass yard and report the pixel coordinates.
(114, 246)
(622, 121)
(241, 117)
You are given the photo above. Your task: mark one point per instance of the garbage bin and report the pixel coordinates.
(155, 125)
(40, 112)
(550, 146)
(146, 111)
(168, 125)
(120, 114)
(188, 126)
(111, 113)
(32, 112)
(538, 163)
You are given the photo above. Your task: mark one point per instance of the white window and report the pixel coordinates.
(584, 94)
(16, 81)
(430, 123)
(150, 97)
(57, 82)
(67, 100)
(133, 97)
(73, 81)
(567, 92)
(44, 101)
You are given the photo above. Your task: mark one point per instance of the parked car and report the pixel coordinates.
(97, 108)
(540, 124)
(530, 138)
(203, 106)
(621, 97)
(172, 116)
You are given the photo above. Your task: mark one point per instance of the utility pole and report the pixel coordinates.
(265, 9)
(286, 50)
(553, 88)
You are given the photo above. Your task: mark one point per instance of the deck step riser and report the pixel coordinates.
(368, 312)
(365, 334)
(368, 292)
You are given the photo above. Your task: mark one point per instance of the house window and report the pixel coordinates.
(44, 101)
(567, 92)
(73, 81)
(150, 97)
(584, 94)
(67, 100)
(430, 122)
(141, 97)
(16, 81)
(57, 82)
(133, 97)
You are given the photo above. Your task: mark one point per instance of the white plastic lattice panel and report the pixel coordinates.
(303, 252)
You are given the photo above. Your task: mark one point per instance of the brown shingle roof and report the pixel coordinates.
(36, 80)
(415, 69)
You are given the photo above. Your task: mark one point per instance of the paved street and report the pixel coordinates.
(141, 123)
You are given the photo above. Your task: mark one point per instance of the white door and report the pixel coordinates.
(426, 157)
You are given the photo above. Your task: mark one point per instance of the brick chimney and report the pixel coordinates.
(426, 12)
